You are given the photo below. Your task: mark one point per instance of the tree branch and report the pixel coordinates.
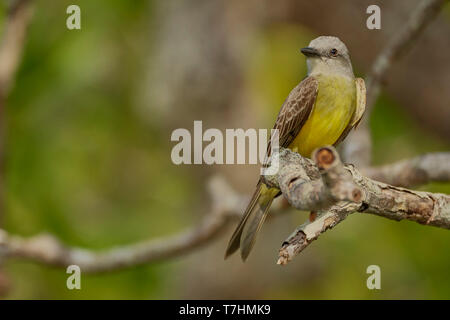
(49, 250)
(345, 190)
(358, 146)
(432, 167)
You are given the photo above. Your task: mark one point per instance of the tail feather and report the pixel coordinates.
(245, 234)
(235, 241)
(253, 226)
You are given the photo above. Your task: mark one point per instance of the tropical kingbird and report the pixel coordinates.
(319, 111)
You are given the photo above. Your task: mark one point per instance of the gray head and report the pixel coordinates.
(328, 55)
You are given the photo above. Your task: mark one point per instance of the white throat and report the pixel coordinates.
(318, 66)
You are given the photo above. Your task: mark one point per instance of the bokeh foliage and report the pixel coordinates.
(84, 165)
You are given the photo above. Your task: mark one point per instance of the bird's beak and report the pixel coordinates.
(310, 52)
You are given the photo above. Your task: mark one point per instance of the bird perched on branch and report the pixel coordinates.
(320, 110)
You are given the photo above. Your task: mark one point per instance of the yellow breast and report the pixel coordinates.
(334, 107)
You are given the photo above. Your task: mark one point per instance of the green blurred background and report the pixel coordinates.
(88, 148)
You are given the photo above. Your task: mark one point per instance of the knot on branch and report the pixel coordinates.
(325, 157)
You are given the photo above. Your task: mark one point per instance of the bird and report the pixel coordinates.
(320, 110)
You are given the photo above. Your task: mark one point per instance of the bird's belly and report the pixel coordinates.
(334, 107)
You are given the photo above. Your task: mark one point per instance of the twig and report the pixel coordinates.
(357, 146)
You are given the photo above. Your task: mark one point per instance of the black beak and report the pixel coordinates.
(310, 52)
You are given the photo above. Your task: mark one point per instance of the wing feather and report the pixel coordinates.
(295, 110)
(359, 111)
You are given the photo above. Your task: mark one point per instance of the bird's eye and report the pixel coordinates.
(333, 52)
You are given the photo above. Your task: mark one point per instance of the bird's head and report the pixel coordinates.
(328, 55)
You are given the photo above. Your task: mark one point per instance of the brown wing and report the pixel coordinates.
(360, 108)
(295, 111)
